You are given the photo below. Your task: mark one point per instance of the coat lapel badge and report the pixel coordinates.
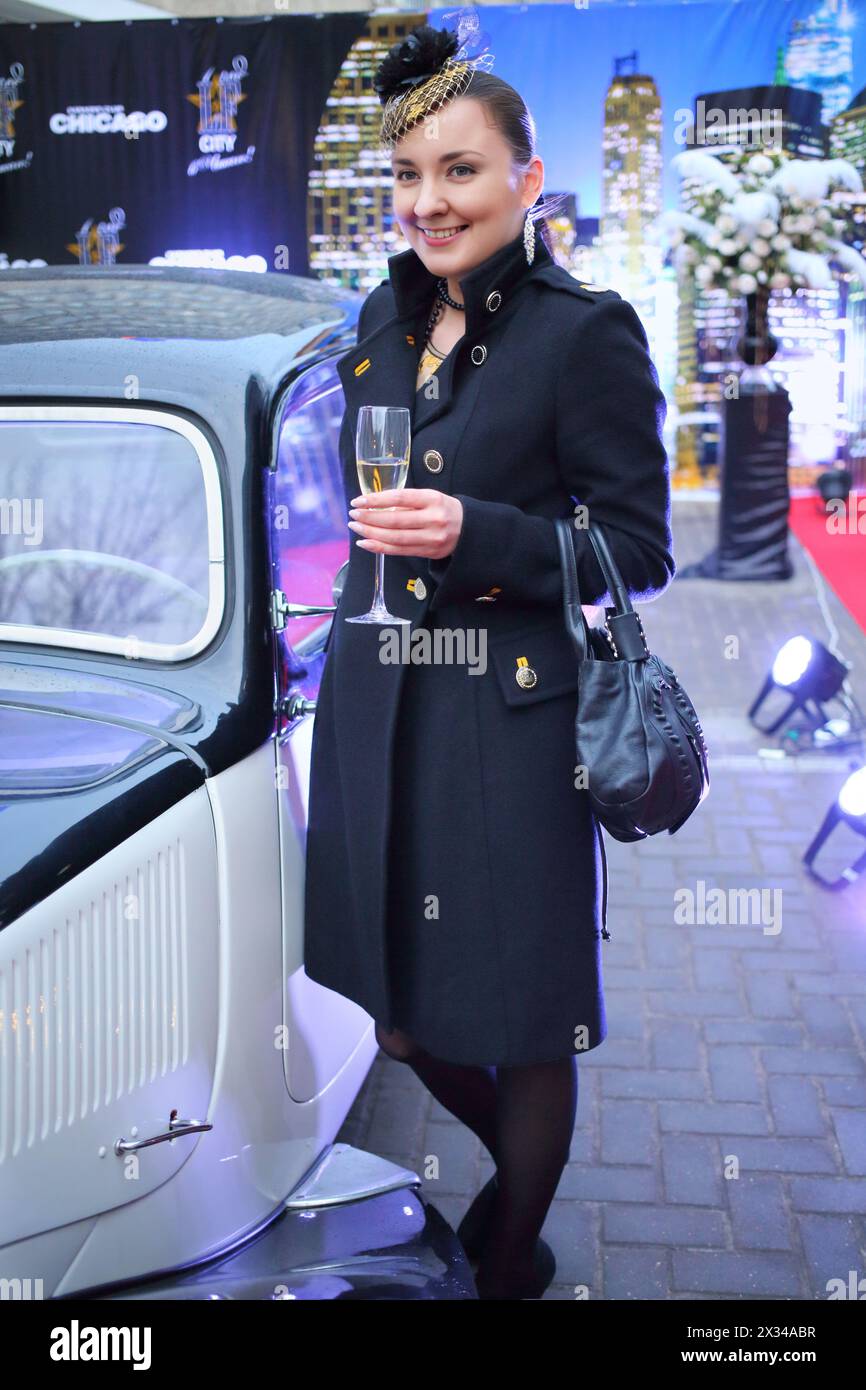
(524, 675)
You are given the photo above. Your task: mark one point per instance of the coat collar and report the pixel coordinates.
(383, 365)
(503, 271)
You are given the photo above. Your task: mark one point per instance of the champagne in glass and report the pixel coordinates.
(382, 444)
(377, 475)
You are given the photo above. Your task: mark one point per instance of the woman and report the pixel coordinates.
(455, 872)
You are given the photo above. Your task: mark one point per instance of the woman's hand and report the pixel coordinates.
(418, 521)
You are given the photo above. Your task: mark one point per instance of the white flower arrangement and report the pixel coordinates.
(762, 220)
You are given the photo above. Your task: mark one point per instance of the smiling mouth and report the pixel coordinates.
(443, 233)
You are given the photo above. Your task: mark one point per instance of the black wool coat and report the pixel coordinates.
(455, 876)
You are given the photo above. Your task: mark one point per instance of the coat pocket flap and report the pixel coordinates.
(545, 657)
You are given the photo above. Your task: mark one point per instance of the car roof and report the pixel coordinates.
(219, 343)
(52, 303)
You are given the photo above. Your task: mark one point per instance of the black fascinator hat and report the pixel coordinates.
(418, 76)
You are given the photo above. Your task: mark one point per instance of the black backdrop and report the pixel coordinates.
(54, 183)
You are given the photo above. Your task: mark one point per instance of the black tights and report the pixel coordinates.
(524, 1116)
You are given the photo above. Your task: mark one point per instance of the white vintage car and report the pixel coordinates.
(172, 530)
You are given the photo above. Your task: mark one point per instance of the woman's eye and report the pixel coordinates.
(467, 167)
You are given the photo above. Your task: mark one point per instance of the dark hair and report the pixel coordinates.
(423, 53)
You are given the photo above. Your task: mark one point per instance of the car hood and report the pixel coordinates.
(85, 762)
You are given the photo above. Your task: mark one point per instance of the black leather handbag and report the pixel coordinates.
(636, 730)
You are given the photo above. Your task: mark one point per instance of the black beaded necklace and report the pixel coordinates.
(442, 298)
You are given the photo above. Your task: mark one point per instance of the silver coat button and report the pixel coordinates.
(434, 460)
(478, 354)
(419, 588)
(493, 301)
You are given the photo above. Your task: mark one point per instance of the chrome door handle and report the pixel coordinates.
(295, 706)
(282, 610)
(175, 1129)
(304, 610)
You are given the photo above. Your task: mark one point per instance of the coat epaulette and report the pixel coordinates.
(560, 279)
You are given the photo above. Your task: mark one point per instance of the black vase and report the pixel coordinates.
(755, 344)
(753, 448)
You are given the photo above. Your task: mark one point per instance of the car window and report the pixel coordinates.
(110, 531)
(310, 535)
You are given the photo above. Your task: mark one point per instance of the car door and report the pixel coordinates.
(109, 915)
(309, 546)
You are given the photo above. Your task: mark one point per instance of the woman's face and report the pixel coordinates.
(456, 170)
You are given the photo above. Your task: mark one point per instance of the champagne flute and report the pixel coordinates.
(382, 443)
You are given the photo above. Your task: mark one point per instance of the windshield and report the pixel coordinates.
(110, 531)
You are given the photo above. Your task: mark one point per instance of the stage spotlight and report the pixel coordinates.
(850, 807)
(806, 670)
(834, 485)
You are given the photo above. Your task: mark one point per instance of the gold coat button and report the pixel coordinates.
(493, 301)
(478, 354)
(433, 460)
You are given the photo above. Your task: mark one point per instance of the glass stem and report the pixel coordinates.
(379, 583)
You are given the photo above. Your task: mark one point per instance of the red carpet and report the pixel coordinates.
(838, 547)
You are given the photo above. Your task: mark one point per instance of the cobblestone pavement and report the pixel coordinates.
(720, 1144)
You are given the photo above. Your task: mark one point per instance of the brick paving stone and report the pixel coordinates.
(839, 986)
(713, 1118)
(675, 1043)
(716, 970)
(746, 1272)
(828, 1025)
(618, 1052)
(692, 1170)
(630, 1272)
(690, 1003)
(781, 1155)
(724, 1039)
(833, 1246)
(653, 1084)
(734, 1073)
(769, 995)
(814, 1061)
(844, 1090)
(627, 1131)
(829, 1194)
(759, 1214)
(796, 1107)
(850, 1126)
(605, 1182)
(666, 947)
(668, 1225)
(754, 1030)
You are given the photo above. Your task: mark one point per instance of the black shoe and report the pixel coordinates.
(545, 1265)
(545, 1268)
(472, 1230)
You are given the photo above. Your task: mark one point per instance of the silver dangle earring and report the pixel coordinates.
(529, 237)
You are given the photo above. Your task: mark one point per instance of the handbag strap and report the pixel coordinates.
(612, 577)
(623, 624)
(575, 618)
